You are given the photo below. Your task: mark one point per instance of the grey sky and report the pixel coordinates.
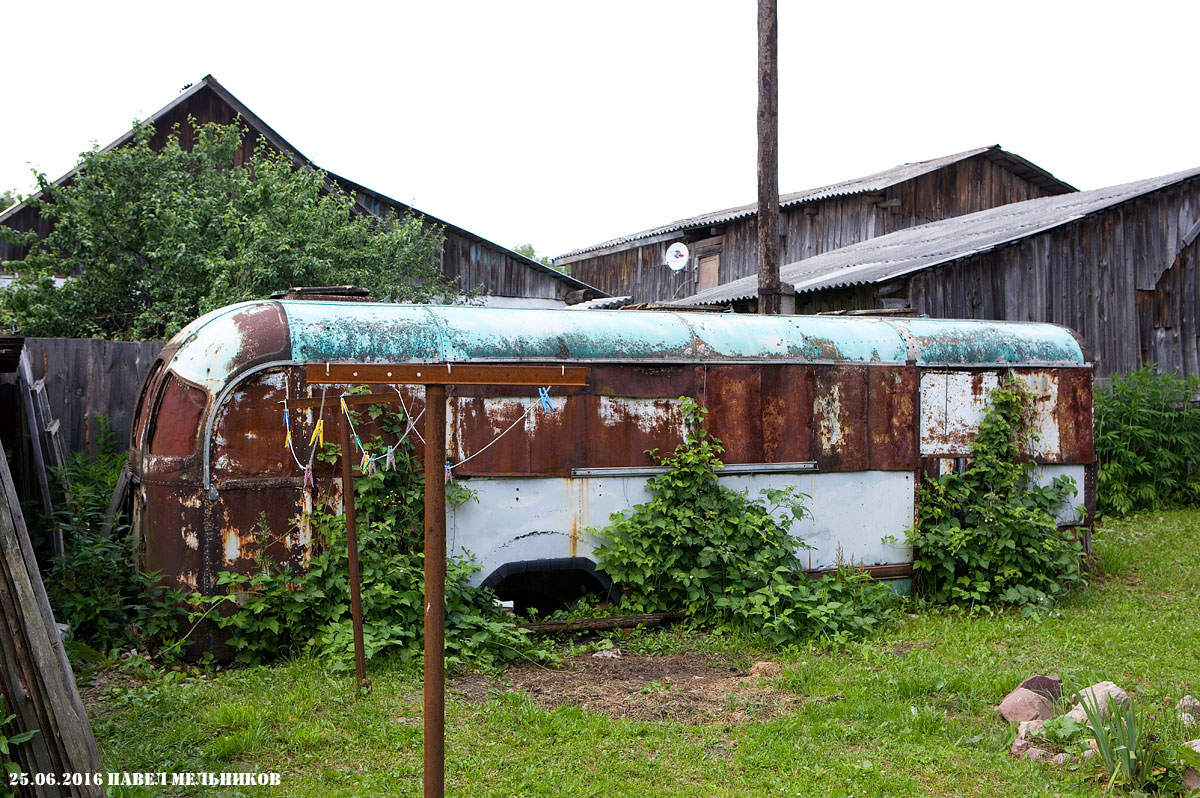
(565, 123)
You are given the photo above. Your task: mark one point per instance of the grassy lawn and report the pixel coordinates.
(909, 711)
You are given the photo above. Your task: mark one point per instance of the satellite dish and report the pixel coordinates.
(677, 256)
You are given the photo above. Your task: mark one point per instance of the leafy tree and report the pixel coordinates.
(8, 199)
(528, 251)
(156, 238)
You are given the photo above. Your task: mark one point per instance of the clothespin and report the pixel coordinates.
(544, 395)
(371, 465)
(287, 440)
(318, 432)
(389, 463)
(308, 476)
(285, 417)
(449, 476)
(358, 444)
(345, 409)
(366, 460)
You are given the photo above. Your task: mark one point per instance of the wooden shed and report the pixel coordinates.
(724, 244)
(509, 279)
(1119, 265)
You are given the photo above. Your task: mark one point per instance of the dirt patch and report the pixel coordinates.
(92, 691)
(677, 688)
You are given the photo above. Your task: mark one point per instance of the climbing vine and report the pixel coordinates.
(726, 559)
(989, 534)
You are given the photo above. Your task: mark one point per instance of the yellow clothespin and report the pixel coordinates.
(318, 432)
(287, 441)
(345, 410)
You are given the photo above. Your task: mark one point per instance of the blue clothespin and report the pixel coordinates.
(544, 395)
(449, 476)
(285, 417)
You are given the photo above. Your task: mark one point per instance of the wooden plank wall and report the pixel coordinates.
(35, 678)
(89, 377)
(1118, 277)
(973, 184)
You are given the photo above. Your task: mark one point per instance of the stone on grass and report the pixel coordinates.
(1049, 686)
(1035, 753)
(1022, 704)
(1100, 697)
(1031, 728)
(608, 653)
(765, 669)
(1019, 747)
(1061, 759)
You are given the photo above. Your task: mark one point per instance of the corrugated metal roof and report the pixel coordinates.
(861, 185)
(878, 260)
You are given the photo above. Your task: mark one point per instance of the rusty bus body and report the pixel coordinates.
(851, 411)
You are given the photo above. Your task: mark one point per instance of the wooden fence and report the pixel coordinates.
(86, 378)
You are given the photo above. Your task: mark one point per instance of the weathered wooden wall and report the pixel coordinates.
(1173, 314)
(970, 185)
(86, 378)
(1122, 277)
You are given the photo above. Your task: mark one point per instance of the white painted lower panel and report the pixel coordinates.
(522, 519)
(1075, 507)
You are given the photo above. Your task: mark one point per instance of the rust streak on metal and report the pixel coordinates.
(444, 374)
(892, 399)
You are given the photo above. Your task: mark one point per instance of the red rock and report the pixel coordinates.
(1049, 686)
(1022, 704)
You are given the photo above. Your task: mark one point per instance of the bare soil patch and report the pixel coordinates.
(676, 688)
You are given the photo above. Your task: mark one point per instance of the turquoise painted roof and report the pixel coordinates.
(370, 332)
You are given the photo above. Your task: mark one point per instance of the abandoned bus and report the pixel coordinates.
(848, 410)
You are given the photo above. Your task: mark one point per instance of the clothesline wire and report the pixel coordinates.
(410, 427)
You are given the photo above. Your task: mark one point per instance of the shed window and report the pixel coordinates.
(176, 420)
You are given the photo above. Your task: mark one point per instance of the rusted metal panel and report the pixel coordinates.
(1042, 384)
(619, 430)
(235, 535)
(1075, 431)
(891, 418)
(177, 424)
(171, 522)
(539, 443)
(248, 436)
(647, 381)
(840, 417)
(734, 399)
(953, 403)
(787, 413)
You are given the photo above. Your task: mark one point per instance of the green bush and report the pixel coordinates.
(1147, 443)
(990, 535)
(703, 548)
(96, 587)
(276, 612)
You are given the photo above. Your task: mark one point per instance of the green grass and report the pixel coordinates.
(908, 711)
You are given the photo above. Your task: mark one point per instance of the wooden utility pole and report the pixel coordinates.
(769, 297)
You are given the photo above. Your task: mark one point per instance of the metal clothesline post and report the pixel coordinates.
(435, 377)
